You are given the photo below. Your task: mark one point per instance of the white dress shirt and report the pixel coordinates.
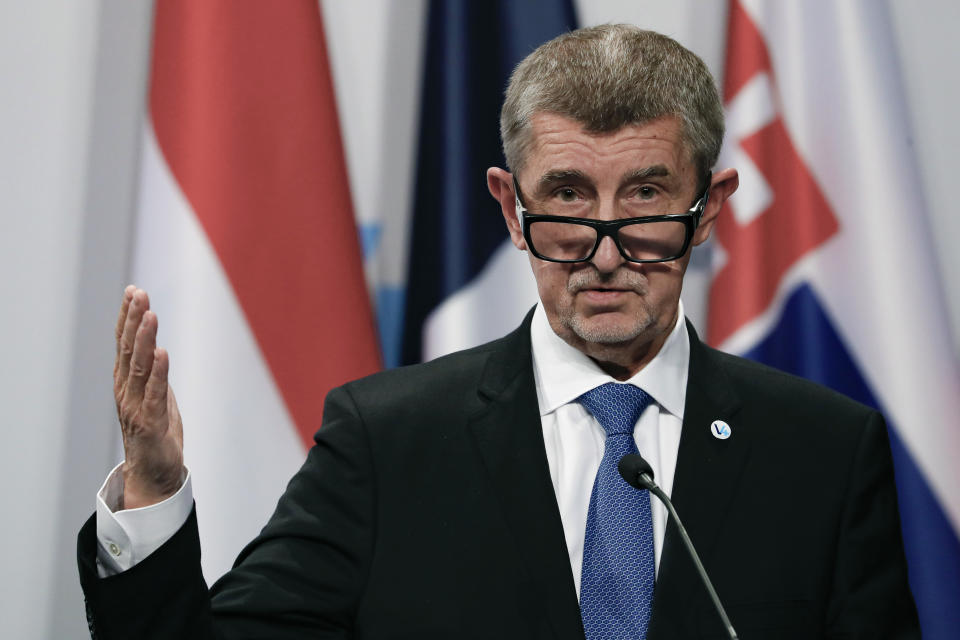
(574, 442)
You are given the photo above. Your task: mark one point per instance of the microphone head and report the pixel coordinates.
(632, 468)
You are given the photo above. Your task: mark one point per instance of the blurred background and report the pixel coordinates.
(302, 194)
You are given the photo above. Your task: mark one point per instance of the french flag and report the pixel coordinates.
(247, 244)
(466, 282)
(823, 259)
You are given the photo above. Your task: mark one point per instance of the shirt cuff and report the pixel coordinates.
(125, 537)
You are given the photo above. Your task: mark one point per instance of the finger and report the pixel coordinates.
(141, 361)
(155, 391)
(139, 302)
(122, 316)
(173, 411)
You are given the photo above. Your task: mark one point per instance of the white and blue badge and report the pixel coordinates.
(720, 430)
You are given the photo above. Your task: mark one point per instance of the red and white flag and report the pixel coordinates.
(247, 244)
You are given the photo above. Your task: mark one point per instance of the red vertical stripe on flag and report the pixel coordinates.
(243, 108)
(797, 220)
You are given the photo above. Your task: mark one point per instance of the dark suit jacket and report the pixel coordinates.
(426, 510)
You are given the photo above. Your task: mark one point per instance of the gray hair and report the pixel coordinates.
(608, 77)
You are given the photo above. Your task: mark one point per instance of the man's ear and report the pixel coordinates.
(500, 184)
(722, 185)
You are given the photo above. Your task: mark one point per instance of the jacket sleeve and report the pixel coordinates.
(163, 596)
(303, 576)
(871, 595)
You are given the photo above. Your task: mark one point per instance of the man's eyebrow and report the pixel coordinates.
(559, 176)
(655, 171)
(551, 179)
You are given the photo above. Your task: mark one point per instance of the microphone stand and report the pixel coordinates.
(651, 486)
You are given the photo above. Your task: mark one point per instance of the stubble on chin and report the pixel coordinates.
(605, 333)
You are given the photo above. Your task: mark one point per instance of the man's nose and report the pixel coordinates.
(607, 257)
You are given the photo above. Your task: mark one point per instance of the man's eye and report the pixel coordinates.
(567, 195)
(646, 193)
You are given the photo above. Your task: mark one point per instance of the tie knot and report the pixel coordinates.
(617, 407)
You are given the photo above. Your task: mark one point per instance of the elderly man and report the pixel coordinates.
(477, 496)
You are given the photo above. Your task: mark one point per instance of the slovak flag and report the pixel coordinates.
(823, 260)
(247, 245)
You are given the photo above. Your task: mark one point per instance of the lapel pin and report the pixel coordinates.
(720, 430)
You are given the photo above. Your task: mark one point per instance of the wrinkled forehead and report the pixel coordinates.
(560, 146)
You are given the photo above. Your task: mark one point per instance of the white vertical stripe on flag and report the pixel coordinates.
(489, 307)
(239, 440)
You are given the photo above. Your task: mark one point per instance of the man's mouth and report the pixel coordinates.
(611, 290)
(604, 294)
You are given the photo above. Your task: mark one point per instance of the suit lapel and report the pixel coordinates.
(509, 436)
(708, 472)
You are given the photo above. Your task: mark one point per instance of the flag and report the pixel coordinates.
(246, 243)
(823, 260)
(466, 283)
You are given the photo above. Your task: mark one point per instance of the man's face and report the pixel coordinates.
(611, 309)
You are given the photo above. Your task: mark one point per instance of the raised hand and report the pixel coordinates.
(149, 418)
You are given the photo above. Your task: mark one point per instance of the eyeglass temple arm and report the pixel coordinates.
(704, 199)
(518, 205)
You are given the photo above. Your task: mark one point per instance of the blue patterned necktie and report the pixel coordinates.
(616, 582)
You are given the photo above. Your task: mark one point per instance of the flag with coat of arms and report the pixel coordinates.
(823, 261)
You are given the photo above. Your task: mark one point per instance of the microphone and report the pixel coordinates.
(638, 474)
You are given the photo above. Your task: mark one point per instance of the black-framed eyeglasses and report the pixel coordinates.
(657, 238)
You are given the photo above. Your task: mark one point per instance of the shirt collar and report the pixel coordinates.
(563, 373)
